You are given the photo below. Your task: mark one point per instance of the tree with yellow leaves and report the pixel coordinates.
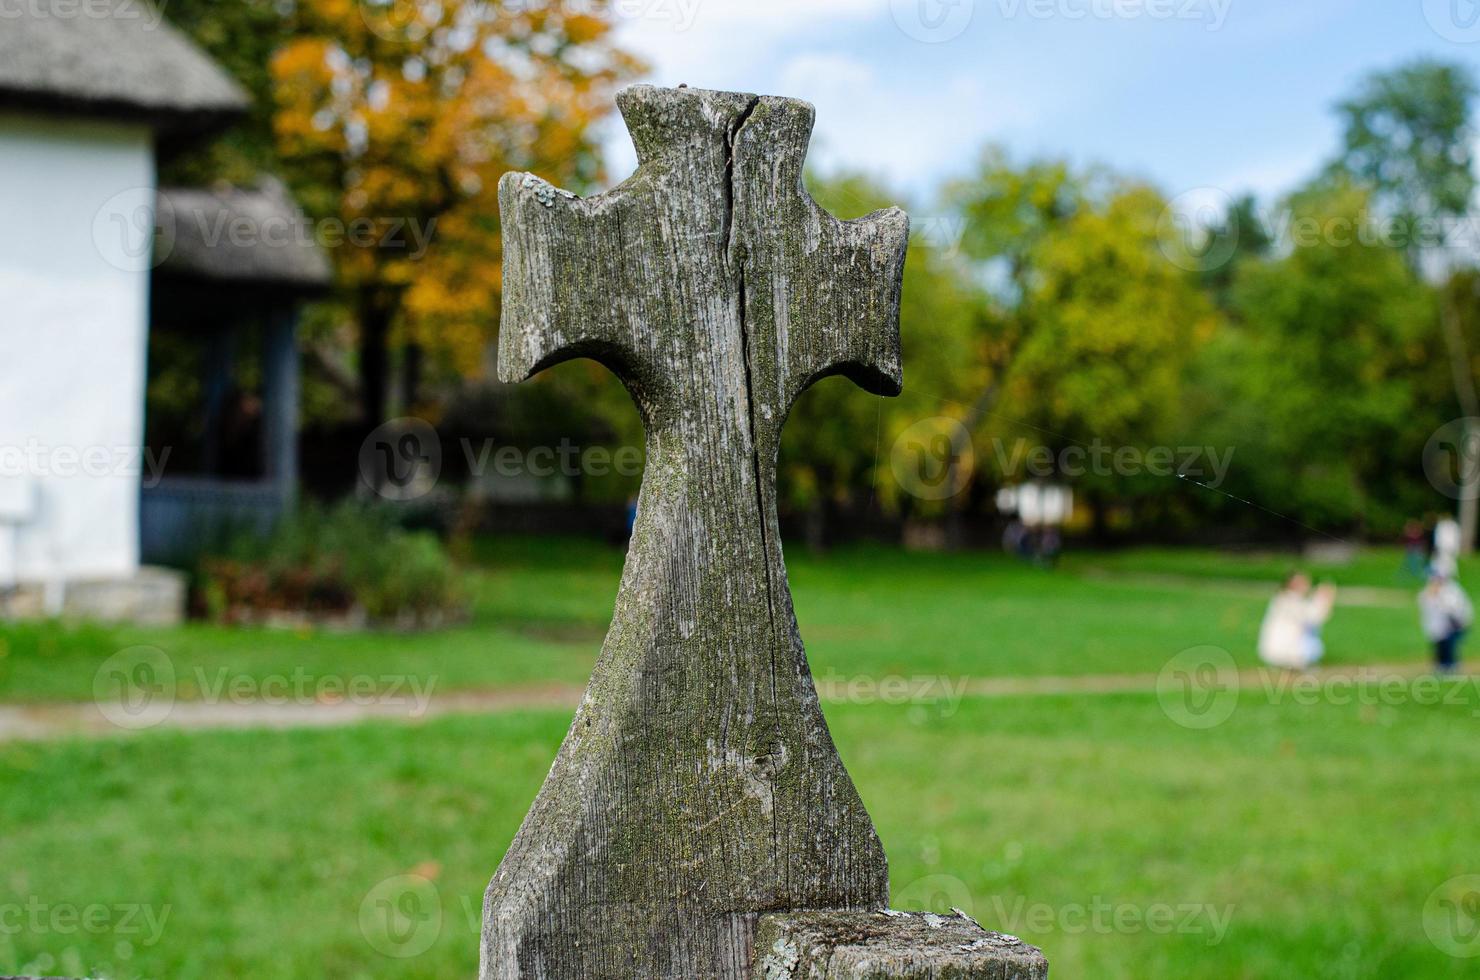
(395, 119)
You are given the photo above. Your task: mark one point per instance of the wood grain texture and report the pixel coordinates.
(698, 786)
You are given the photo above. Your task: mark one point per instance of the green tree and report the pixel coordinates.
(393, 115)
(1242, 233)
(1098, 327)
(1409, 138)
(1408, 135)
(835, 456)
(1324, 371)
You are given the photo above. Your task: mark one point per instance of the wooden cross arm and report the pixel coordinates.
(555, 244)
(822, 294)
(629, 276)
(857, 333)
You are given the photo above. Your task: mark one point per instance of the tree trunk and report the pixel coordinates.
(375, 328)
(1464, 393)
(816, 527)
(412, 360)
(955, 522)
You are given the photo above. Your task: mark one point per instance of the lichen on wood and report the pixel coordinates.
(889, 945)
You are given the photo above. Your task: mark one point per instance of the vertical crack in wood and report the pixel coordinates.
(762, 522)
(732, 136)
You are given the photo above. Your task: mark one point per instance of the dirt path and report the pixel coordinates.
(59, 720)
(19, 722)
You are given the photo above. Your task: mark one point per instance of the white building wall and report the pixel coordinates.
(76, 200)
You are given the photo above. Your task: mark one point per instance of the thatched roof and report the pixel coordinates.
(233, 235)
(115, 58)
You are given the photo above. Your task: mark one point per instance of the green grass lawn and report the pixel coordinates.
(540, 608)
(1300, 838)
(1292, 841)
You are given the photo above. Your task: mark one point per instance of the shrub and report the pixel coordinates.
(347, 562)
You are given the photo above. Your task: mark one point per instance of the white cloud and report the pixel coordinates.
(719, 36)
(824, 75)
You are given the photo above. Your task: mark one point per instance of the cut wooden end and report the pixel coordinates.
(880, 945)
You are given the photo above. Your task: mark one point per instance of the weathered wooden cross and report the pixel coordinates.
(698, 787)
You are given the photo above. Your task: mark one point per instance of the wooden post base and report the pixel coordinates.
(882, 945)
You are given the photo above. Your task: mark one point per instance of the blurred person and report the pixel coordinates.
(1290, 636)
(1446, 547)
(1050, 546)
(1415, 551)
(1446, 614)
(1015, 538)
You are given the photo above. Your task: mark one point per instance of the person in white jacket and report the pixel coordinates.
(1447, 539)
(1446, 613)
(1290, 636)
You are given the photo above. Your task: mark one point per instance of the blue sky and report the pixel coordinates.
(1228, 95)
